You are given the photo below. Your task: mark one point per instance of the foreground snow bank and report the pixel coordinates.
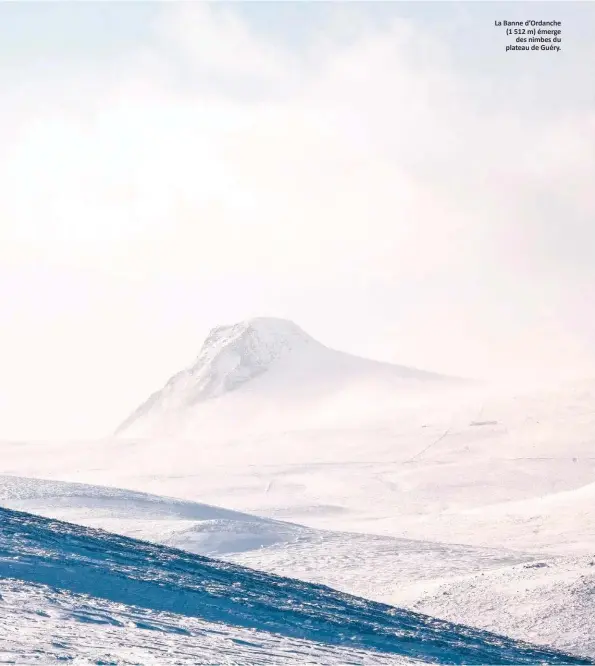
(100, 565)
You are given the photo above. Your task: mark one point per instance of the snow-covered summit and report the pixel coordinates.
(233, 356)
(230, 356)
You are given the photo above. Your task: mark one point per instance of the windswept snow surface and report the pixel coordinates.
(377, 567)
(547, 597)
(195, 527)
(98, 579)
(45, 625)
(486, 587)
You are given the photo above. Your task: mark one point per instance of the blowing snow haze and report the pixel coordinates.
(259, 365)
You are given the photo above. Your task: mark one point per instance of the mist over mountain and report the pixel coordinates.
(266, 359)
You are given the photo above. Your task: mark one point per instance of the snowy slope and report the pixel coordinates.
(554, 523)
(420, 471)
(381, 568)
(270, 360)
(99, 578)
(546, 598)
(199, 528)
(513, 593)
(46, 625)
(497, 468)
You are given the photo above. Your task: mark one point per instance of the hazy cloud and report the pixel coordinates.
(457, 208)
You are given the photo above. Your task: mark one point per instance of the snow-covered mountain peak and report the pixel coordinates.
(258, 341)
(231, 355)
(292, 369)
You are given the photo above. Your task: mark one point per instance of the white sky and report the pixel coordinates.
(385, 175)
